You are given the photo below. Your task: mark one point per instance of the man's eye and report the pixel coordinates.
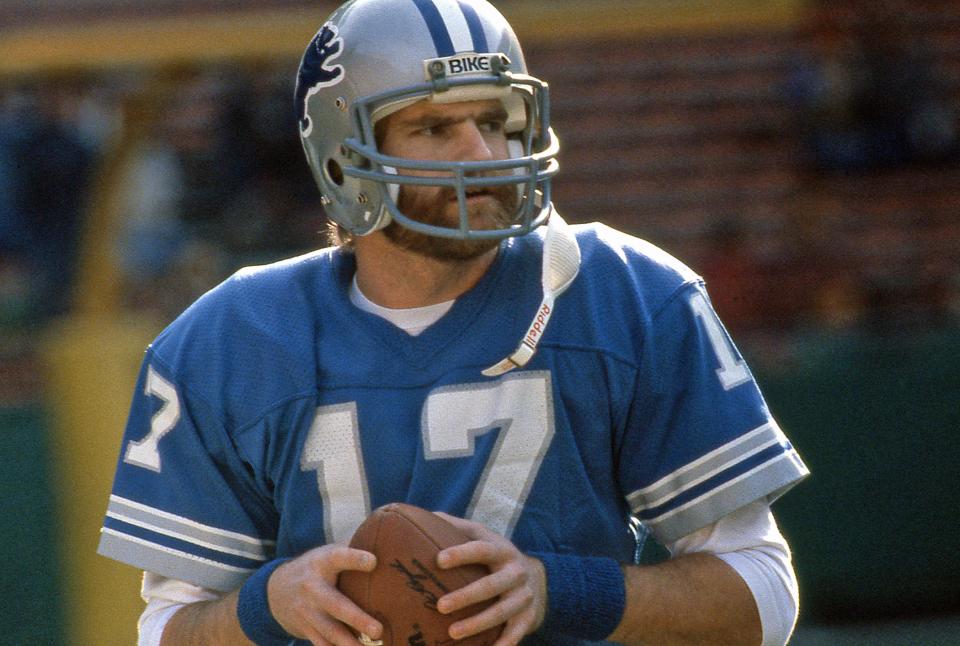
(492, 126)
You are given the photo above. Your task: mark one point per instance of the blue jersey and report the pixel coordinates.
(273, 415)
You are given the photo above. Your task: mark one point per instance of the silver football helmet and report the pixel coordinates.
(374, 57)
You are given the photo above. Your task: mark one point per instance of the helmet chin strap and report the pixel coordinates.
(561, 264)
(515, 151)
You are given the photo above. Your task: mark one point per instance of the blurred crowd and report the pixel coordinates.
(50, 138)
(217, 183)
(868, 92)
(867, 239)
(210, 177)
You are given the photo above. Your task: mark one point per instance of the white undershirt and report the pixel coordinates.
(412, 320)
(748, 539)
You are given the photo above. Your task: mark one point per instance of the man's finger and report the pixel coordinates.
(332, 559)
(485, 552)
(497, 614)
(328, 613)
(341, 608)
(489, 587)
(474, 530)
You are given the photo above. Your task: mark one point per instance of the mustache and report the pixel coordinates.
(505, 193)
(433, 206)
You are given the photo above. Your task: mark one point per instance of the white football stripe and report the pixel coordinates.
(456, 24)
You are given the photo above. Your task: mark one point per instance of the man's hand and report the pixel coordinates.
(517, 579)
(304, 599)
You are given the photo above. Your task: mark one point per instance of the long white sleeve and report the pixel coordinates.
(751, 543)
(164, 597)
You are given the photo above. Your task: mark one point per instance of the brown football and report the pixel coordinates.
(402, 591)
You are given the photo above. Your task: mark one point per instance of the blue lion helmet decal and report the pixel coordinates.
(316, 71)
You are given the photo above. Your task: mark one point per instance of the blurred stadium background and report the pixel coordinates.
(802, 155)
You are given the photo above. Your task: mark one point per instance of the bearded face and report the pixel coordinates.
(457, 132)
(492, 207)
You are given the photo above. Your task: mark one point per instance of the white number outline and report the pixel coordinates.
(145, 453)
(520, 405)
(332, 449)
(732, 371)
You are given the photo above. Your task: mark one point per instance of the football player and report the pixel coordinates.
(463, 349)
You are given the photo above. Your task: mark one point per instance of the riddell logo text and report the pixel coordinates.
(533, 334)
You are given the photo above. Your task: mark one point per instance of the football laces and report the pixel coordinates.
(367, 641)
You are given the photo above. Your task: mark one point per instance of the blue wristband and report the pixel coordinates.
(253, 609)
(585, 595)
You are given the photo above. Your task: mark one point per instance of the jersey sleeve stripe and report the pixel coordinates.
(706, 467)
(692, 484)
(178, 543)
(171, 562)
(719, 480)
(166, 523)
(772, 477)
(248, 554)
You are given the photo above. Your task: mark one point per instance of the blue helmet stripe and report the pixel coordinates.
(438, 29)
(476, 28)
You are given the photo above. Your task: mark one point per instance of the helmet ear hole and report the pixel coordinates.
(334, 172)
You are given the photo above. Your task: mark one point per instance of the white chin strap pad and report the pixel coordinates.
(515, 150)
(393, 190)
